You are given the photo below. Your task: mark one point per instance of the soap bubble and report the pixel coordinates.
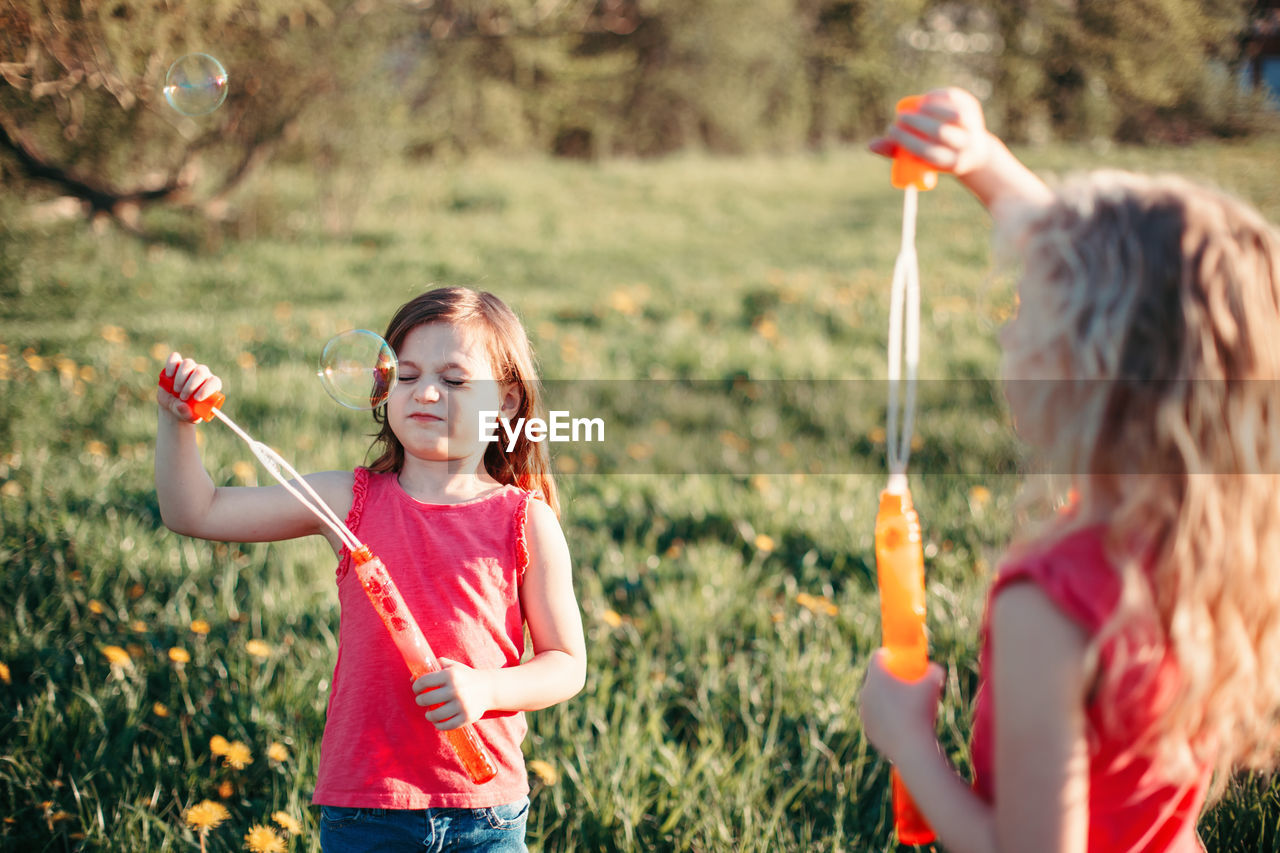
(358, 369)
(196, 84)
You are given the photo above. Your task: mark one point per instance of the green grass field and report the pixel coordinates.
(728, 613)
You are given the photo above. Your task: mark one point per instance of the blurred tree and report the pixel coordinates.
(333, 82)
(1144, 70)
(81, 109)
(598, 77)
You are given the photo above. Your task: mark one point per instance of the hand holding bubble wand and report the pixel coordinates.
(899, 550)
(358, 369)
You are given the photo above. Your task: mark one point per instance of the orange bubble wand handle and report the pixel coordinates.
(908, 170)
(900, 578)
(417, 653)
(374, 578)
(203, 409)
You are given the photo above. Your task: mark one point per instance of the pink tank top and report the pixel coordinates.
(1131, 807)
(459, 568)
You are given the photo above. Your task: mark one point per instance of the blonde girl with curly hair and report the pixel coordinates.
(1131, 647)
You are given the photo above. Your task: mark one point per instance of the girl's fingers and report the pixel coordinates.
(934, 153)
(444, 713)
(883, 146)
(194, 381)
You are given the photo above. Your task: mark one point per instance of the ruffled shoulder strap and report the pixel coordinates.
(1075, 573)
(522, 539)
(359, 494)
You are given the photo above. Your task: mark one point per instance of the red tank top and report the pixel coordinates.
(1131, 807)
(459, 568)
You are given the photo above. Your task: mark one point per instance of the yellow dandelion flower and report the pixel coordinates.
(263, 839)
(816, 604)
(624, 303)
(136, 591)
(4, 673)
(979, 497)
(278, 752)
(138, 626)
(287, 822)
(35, 362)
(179, 655)
(246, 361)
(226, 789)
(113, 334)
(238, 756)
(199, 626)
(244, 472)
(545, 771)
(117, 656)
(160, 709)
(88, 373)
(218, 745)
(11, 489)
(258, 649)
(639, 450)
(764, 542)
(611, 618)
(96, 448)
(95, 606)
(205, 815)
(160, 351)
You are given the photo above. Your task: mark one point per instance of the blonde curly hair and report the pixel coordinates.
(1143, 366)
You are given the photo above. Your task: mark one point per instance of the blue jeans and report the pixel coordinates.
(498, 829)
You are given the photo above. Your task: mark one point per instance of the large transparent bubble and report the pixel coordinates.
(358, 369)
(196, 84)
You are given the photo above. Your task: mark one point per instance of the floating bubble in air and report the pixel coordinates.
(196, 84)
(358, 369)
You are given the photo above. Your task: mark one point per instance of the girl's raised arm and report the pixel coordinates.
(192, 505)
(950, 132)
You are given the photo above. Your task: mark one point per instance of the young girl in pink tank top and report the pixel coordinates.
(468, 530)
(1132, 639)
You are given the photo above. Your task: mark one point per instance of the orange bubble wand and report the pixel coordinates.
(899, 550)
(374, 578)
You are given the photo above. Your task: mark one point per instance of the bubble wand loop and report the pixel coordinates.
(899, 550)
(374, 578)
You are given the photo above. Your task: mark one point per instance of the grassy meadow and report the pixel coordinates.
(728, 615)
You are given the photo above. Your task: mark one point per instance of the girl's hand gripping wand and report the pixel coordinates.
(899, 551)
(373, 575)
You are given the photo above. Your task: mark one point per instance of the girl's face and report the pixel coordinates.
(445, 382)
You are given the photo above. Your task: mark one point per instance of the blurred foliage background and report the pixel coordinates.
(352, 82)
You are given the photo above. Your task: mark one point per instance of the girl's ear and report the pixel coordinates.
(512, 397)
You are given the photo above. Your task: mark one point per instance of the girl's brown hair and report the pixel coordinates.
(528, 465)
(1160, 301)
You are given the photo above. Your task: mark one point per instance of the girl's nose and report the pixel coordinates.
(428, 392)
